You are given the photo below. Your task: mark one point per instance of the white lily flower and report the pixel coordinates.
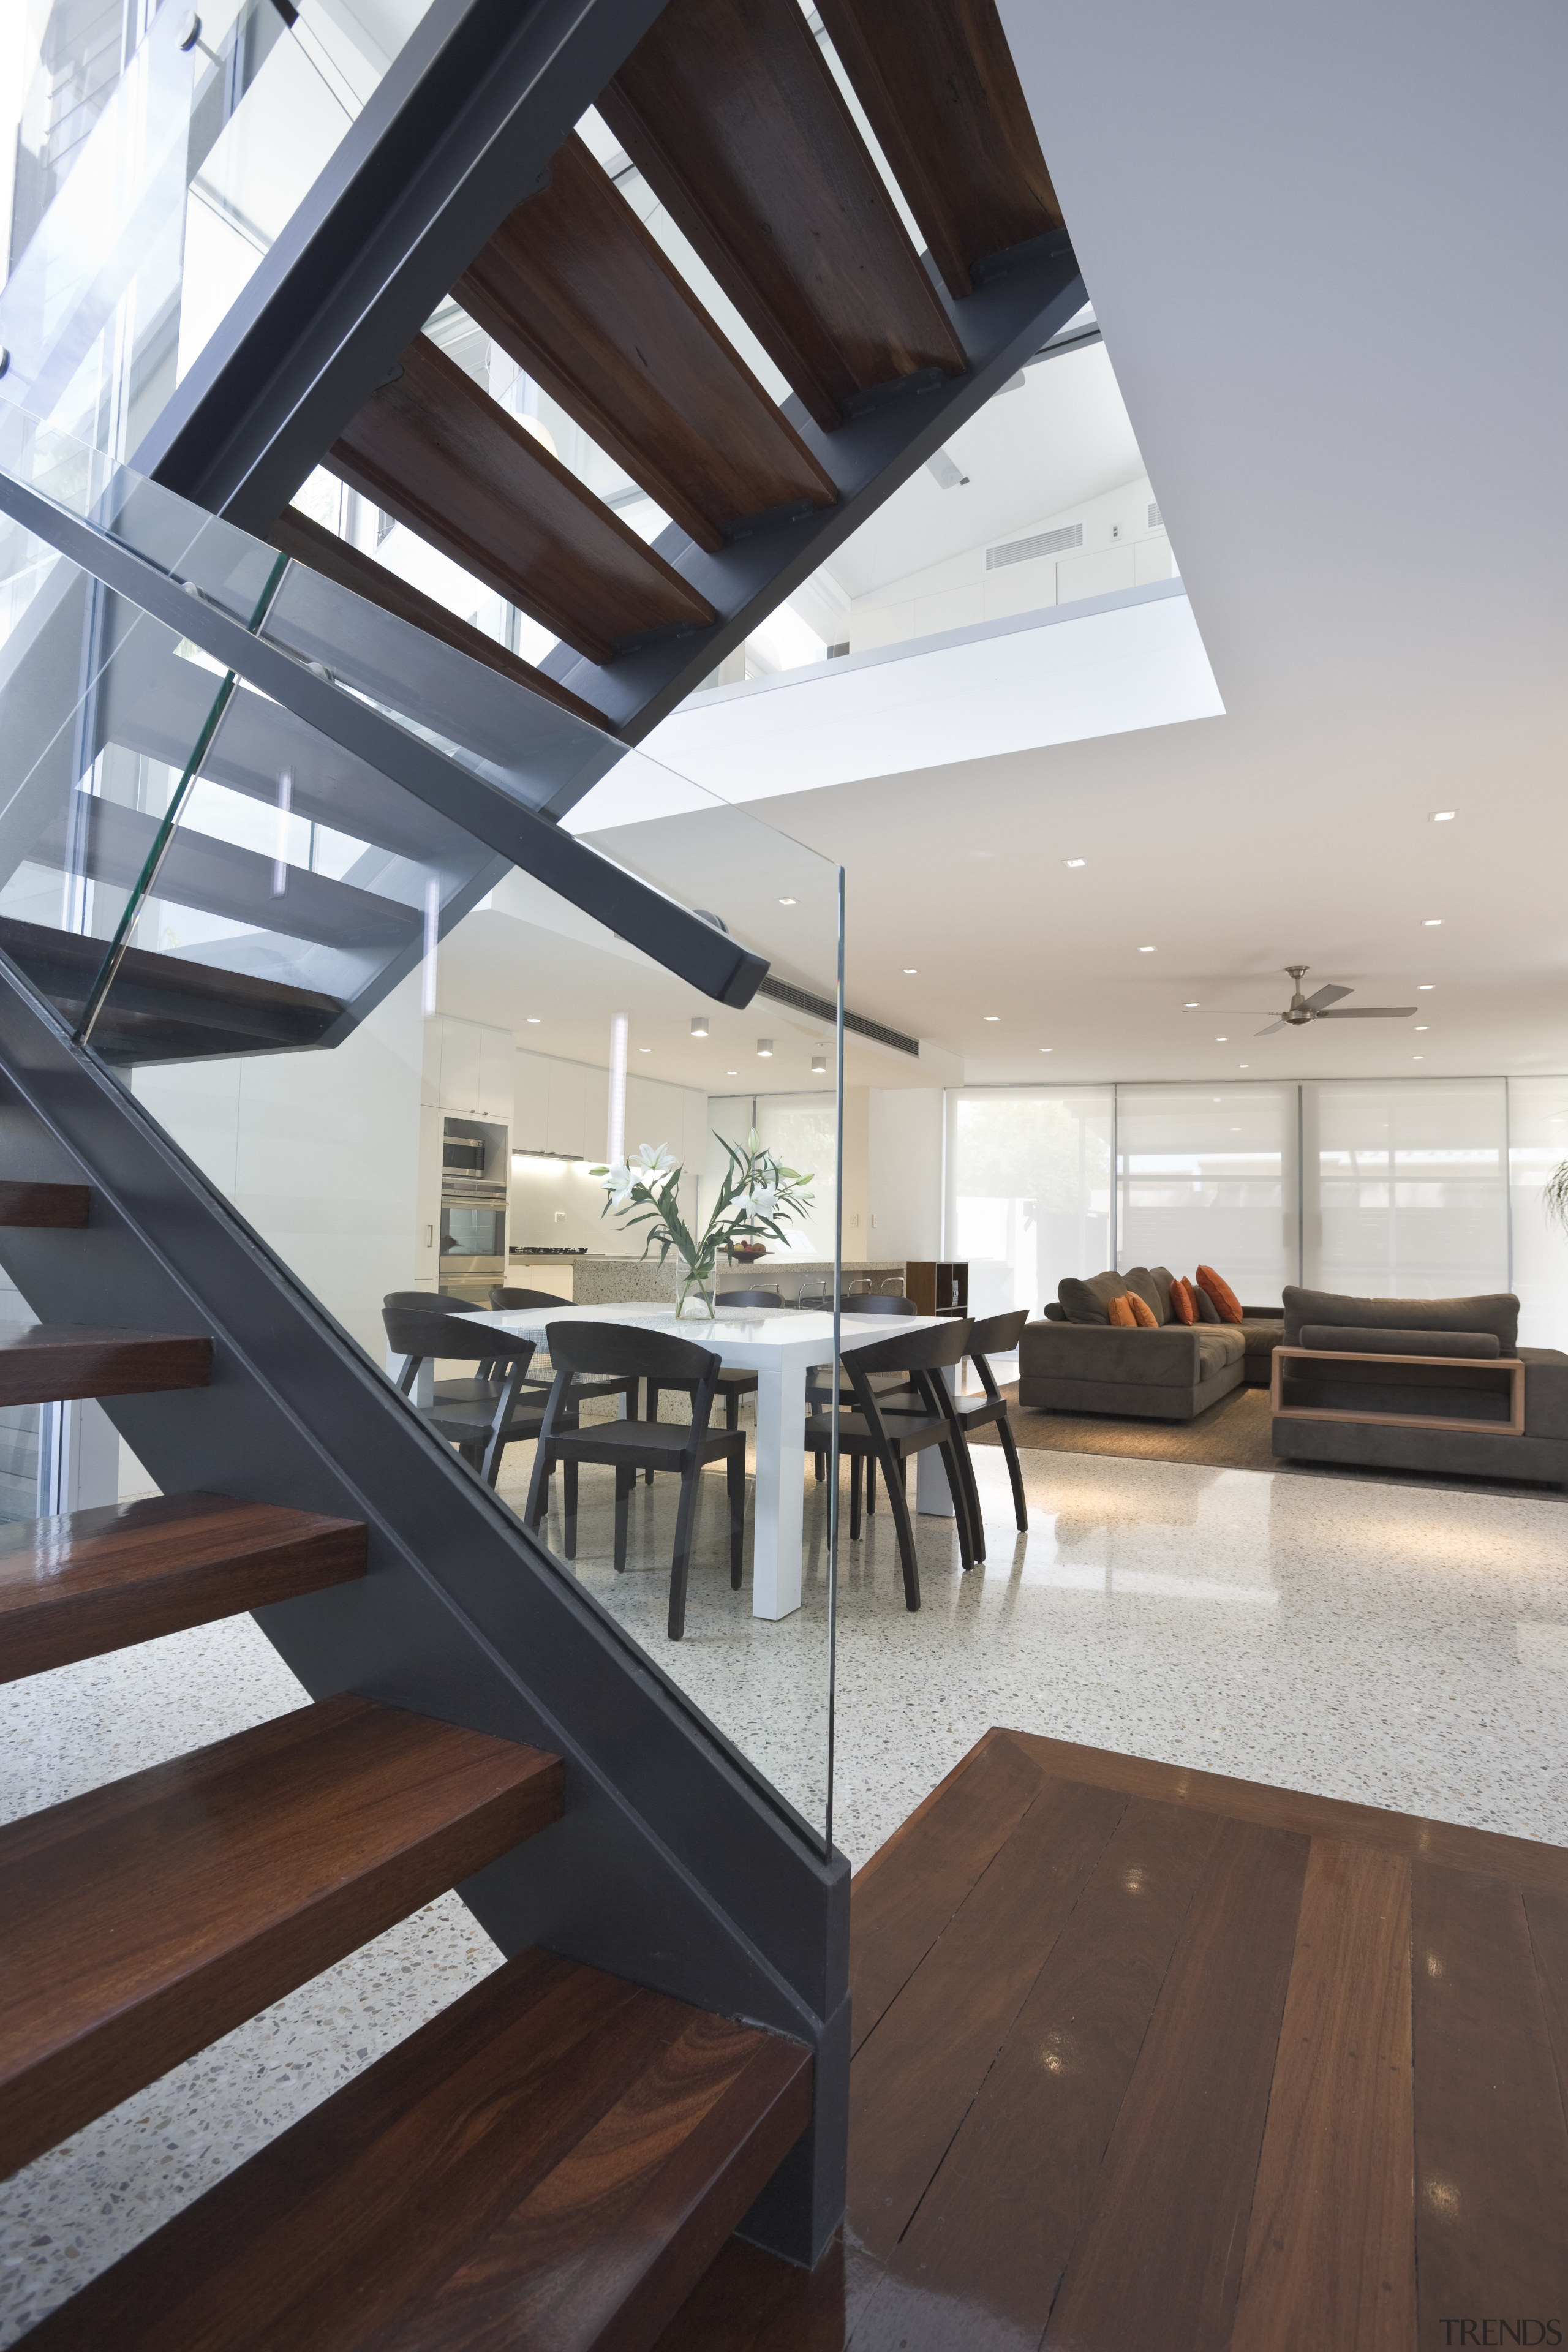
(618, 1180)
(654, 1160)
(763, 1201)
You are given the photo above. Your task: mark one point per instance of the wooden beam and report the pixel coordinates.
(433, 449)
(940, 89)
(579, 294)
(729, 111)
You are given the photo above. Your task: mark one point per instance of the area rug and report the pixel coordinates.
(1233, 1434)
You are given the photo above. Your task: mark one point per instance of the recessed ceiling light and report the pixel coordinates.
(731, 1073)
(1246, 1066)
(534, 1020)
(1442, 816)
(909, 971)
(699, 1026)
(1074, 861)
(644, 1049)
(1422, 1026)
(1418, 1058)
(1222, 1041)
(993, 1016)
(764, 1049)
(1425, 983)
(1431, 922)
(1194, 1007)
(1145, 950)
(787, 902)
(1048, 1049)
(819, 1065)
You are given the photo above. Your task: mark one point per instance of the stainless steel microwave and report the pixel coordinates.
(462, 1155)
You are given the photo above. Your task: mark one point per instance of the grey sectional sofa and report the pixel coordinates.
(1420, 1398)
(1076, 1361)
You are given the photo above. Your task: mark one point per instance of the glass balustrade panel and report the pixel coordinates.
(406, 1059)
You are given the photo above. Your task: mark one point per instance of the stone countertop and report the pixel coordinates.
(601, 1278)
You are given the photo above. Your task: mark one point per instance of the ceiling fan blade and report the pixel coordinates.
(1329, 995)
(1270, 1030)
(1369, 1013)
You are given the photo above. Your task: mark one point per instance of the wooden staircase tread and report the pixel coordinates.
(111, 842)
(574, 288)
(433, 449)
(140, 1921)
(161, 1006)
(553, 2162)
(88, 1582)
(942, 93)
(42, 1363)
(729, 111)
(44, 1204)
(350, 567)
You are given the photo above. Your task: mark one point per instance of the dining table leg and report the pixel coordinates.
(778, 1525)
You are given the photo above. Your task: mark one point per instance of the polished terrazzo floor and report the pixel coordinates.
(1405, 1646)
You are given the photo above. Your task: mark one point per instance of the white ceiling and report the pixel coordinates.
(1327, 255)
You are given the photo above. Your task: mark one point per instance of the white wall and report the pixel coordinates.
(1122, 548)
(903, 1172)
(320, 1152)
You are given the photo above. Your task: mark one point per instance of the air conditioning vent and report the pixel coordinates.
(1024, 550)
(1154, 522)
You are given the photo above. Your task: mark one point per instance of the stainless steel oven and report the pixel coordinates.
(473, 1233)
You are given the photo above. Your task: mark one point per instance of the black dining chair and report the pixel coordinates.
(481, 1417)
(819, 1379)
(869, 1434)
(733, 1383)
(994, 1335)
(621, 1350)
(446, 1302)
(506, 1298)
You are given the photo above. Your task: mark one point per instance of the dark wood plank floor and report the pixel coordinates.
(1151, 2058)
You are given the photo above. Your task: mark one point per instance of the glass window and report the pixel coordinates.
(1411, 1200)
(1029, 1189)
(1207, 1176)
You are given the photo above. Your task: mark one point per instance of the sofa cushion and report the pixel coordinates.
(1208, 1312)
(1495, 1311)
(1181, 1308)
(1088, 1301)
(1366, 1341)
(1152, 1285)
(1143, 1314)
(1053, 1311)
(1121, 1313)
(1218, 1344)
(1220, 1291)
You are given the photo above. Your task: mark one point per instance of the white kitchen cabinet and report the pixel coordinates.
(460, 1067)
(531, 1108)
(497, 1054)
(565, 1132)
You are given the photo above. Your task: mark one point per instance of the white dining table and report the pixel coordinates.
(780, 1344)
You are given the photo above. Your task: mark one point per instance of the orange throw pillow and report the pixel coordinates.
(1182, 1306)
(1224, 1297)
(1143, 1314)
(1120, 1312)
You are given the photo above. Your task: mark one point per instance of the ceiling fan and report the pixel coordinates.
(1323, 1004)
